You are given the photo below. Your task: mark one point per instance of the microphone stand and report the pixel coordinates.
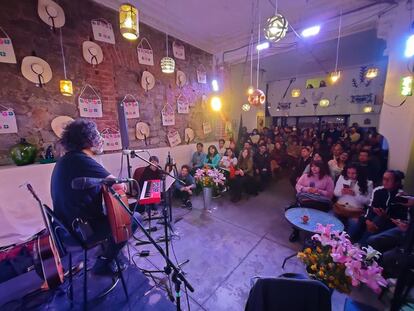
(177, 275)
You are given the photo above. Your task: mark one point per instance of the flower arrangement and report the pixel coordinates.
(339, 264)
(207, 177)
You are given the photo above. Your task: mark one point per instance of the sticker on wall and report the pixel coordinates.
(147, 80)
(59, 123)
(207, 128)
(103, 31)
(8, 122)
(142, 131)
(6, 48)
(51, 13)
(112, 139)
(92, 53)
(145, 54)
(188, 135)
(174, 138)
(201, 74)
(178, 50)
(168, 115)
(181, 79)
(90, 104)
(183, 107)
(36, 70)
(131, 107)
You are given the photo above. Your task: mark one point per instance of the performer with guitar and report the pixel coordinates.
(81, 140)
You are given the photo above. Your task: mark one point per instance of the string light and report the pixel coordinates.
(337, 74)
(65, 86)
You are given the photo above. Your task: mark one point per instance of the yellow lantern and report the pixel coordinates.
(324, 103)
(295, 93)
(334, 76)
(246, 107)
(371, 73)
(257, 98)
(128, 21)
(167, 64)
(66, 87)
(368, 109)
(216, 103)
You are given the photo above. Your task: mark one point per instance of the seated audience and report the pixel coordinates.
(197, 161)
(212, 159)
(354, 135)
(337, 164)
(221, 149)
(277, 158)
(353, 192)
(269, 144)
(228, 160)
(233, 147)
(316, 157)
(243, 177)
(300, 165)
(184, 190)
(371, 170)
(261, 165)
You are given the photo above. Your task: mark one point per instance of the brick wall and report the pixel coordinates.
(118, 75)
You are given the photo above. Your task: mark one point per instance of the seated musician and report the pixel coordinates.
(150, 173)
(185, 191)
(81, 141)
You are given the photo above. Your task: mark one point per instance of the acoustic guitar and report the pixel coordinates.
(47, 252)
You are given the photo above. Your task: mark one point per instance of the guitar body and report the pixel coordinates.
(50, 261)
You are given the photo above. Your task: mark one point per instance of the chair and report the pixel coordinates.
(66, 249)
(283, 293)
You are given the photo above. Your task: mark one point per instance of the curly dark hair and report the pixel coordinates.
(362, 179)
(323, 168)
(80, 134)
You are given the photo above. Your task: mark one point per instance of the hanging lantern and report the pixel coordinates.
(371, 73)
(295, 93)
(257, 98)
(66, 87)
(246, 107)
(128, 21)
(216, 103)
(276, 28)
(406, 88)
(334, 76)
(368, 109)
(167, 64)
(324, 103)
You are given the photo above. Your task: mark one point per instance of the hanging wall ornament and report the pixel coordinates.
(59, 123)
(201, 74)
(147, 80)
(178, 50)
(257, 98)
(112, 139)
(51, 13)
(145, 54)
(92, 53)
(131, 107)
(181, 78)
(103, 31)
(188, 135)
(168, 115)
(142, 131)
(90, 104)
(183, 107)
(6, 48)
(174, 138)
(8, 124)
(36, 70)
(207, 127)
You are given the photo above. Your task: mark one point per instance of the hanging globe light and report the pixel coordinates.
(276, 28)
(257, 98)
(324, 103)
(246, 107)
(128, 21)
(66, 88)
(334, 76)
(167, 64)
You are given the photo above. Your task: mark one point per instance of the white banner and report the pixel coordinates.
(8, 122)
(168, 115)
(178, 50)
(183, 106)
(145, 55)
(112, 140)
(90, 107)
(174, 138)
(6, 49)
(103, 31)
(207, 127)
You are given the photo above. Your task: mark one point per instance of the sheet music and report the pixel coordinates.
(169, 181)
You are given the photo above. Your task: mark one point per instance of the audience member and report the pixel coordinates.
(261, 165)
(243, 179)
(300, 165)
(277, 158)
(228, 160)
(184, 189)
(212, 158)
(371, 170)
(221, 149)
(197, 161)
(337, 164)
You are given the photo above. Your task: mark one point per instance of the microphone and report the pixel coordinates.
(82, 183)
(132, 152)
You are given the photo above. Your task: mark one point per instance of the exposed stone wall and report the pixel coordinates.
(118, 75)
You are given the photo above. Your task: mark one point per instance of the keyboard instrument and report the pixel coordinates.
(151, 192)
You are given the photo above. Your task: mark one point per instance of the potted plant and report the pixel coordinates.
(209, 179)
(339, 264)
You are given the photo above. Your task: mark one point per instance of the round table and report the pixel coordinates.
(294, 217)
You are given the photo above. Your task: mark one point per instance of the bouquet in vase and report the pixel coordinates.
(208, 177)
(335, 261)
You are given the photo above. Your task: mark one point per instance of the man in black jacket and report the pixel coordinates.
(261, 165)
(303, 162)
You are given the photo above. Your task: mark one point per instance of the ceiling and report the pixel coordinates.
(217, 26)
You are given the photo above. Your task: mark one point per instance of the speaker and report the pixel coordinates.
(123, 125)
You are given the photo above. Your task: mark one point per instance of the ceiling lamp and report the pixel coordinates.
(371, 73)
(257, 98)
(65, 86)
(311, 31)
(216, 103)
(246, 107)
(250, 90)
(167, 63)
(407, 86)
(295, 93)
(368, 109)
(128, 21)
(276, 28)
(335, 75)
(324, 103)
